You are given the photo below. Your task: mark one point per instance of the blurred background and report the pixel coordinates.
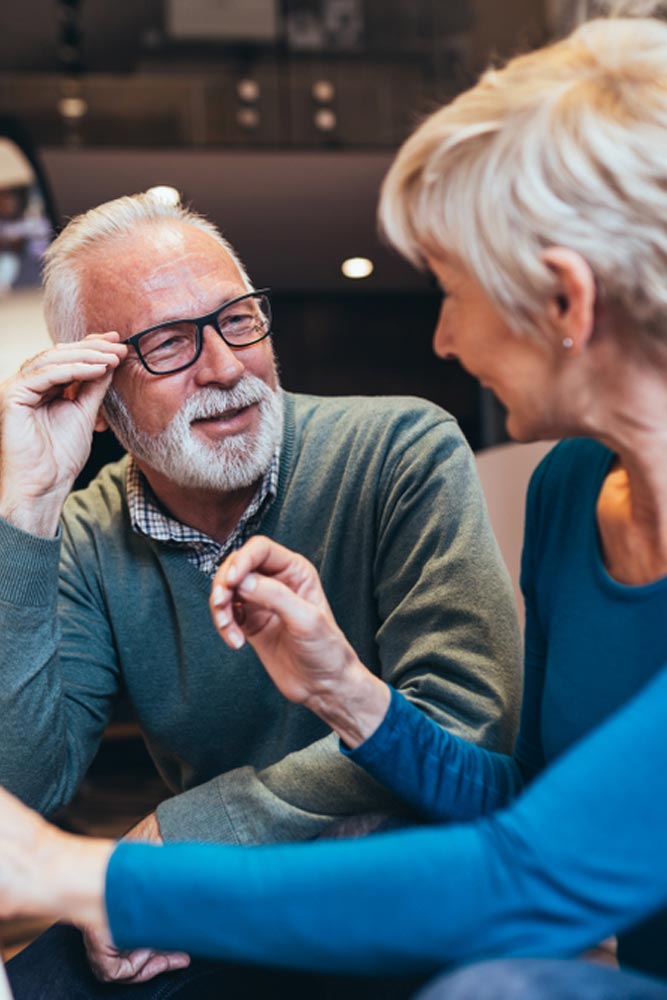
(275, 118)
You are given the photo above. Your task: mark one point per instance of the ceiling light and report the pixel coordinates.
(72, 107)
(357, 267)
(166, 194)
(248, 117)
(325, 120)
(248, 90)
(323, 91)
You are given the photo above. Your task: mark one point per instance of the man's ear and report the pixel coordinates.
(101, 422)
(572, 307)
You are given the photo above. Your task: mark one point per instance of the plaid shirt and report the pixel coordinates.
(149, 518)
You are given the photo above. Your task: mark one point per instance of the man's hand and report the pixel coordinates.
(48, 412)
(147, 829)
(273, 598)
(110, 964)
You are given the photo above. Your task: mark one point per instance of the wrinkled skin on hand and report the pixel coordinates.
(48, 412)
(273, 598)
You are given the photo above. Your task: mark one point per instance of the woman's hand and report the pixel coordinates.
(272, 597)
(46, 873)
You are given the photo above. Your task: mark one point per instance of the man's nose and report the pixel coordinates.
(217, 361)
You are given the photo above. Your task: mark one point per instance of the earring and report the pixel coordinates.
(568, 343)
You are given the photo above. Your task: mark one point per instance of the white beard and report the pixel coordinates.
(233, 463)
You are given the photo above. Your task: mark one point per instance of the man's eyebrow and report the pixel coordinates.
(219, 304)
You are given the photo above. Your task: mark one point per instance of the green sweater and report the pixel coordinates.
(381, 495)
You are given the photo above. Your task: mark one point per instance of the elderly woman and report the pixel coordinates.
(538, 199)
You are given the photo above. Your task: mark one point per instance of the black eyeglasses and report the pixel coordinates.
(170, 347)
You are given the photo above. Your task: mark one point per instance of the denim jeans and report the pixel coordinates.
(542, 979)
(55, 967)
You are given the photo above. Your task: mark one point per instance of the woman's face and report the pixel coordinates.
(517, 367)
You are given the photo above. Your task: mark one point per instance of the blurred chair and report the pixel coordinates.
(505, 471)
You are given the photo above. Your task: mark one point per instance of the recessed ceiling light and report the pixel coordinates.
(165, 193)
(248, 117)
(357, 267)
(323, 91)
(72, 107)
(248, 90)
(325, 120)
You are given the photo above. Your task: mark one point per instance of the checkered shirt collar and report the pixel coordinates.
(149, 518)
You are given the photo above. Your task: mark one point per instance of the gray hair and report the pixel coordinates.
(566, 145)
(66, 258)
(564, 15)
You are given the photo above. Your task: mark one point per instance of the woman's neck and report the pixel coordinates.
(622, 402)
(632, 505)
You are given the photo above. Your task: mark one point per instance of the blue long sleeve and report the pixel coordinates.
(440, 775)
(578, 857)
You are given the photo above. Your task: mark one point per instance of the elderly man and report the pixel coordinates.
(106, 591)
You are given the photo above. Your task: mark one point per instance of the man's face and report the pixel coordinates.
(212, 424)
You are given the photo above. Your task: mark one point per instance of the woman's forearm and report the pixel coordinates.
(577, 858)
(353, 706)
(77, 874)
(46, 873)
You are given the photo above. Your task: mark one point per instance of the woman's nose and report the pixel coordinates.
(442, 340)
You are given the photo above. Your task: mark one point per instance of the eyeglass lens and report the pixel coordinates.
(174, 345)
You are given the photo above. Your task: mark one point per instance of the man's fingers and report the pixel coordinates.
(158, 963)
(81, 350)
(38, 382)
(136, 966)
(110, 965)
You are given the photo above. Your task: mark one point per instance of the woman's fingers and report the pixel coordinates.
(262, 555)
(269, 594)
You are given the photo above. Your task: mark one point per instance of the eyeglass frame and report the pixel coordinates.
(211, 319)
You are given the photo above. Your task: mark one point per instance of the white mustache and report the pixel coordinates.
(211, 402)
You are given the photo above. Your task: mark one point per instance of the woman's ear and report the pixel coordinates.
(571, 309)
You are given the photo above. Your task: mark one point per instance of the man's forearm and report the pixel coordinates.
(297, 798)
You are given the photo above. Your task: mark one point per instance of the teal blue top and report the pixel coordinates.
(590, 644)
(577, 857)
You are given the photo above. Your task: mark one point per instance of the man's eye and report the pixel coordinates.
(165, 343)
(235, 318)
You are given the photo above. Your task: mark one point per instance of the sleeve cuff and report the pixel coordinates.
(198, 815)
(376, 745)
(28, 567)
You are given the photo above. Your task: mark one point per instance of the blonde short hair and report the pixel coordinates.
(566, 145)
(66, 258)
